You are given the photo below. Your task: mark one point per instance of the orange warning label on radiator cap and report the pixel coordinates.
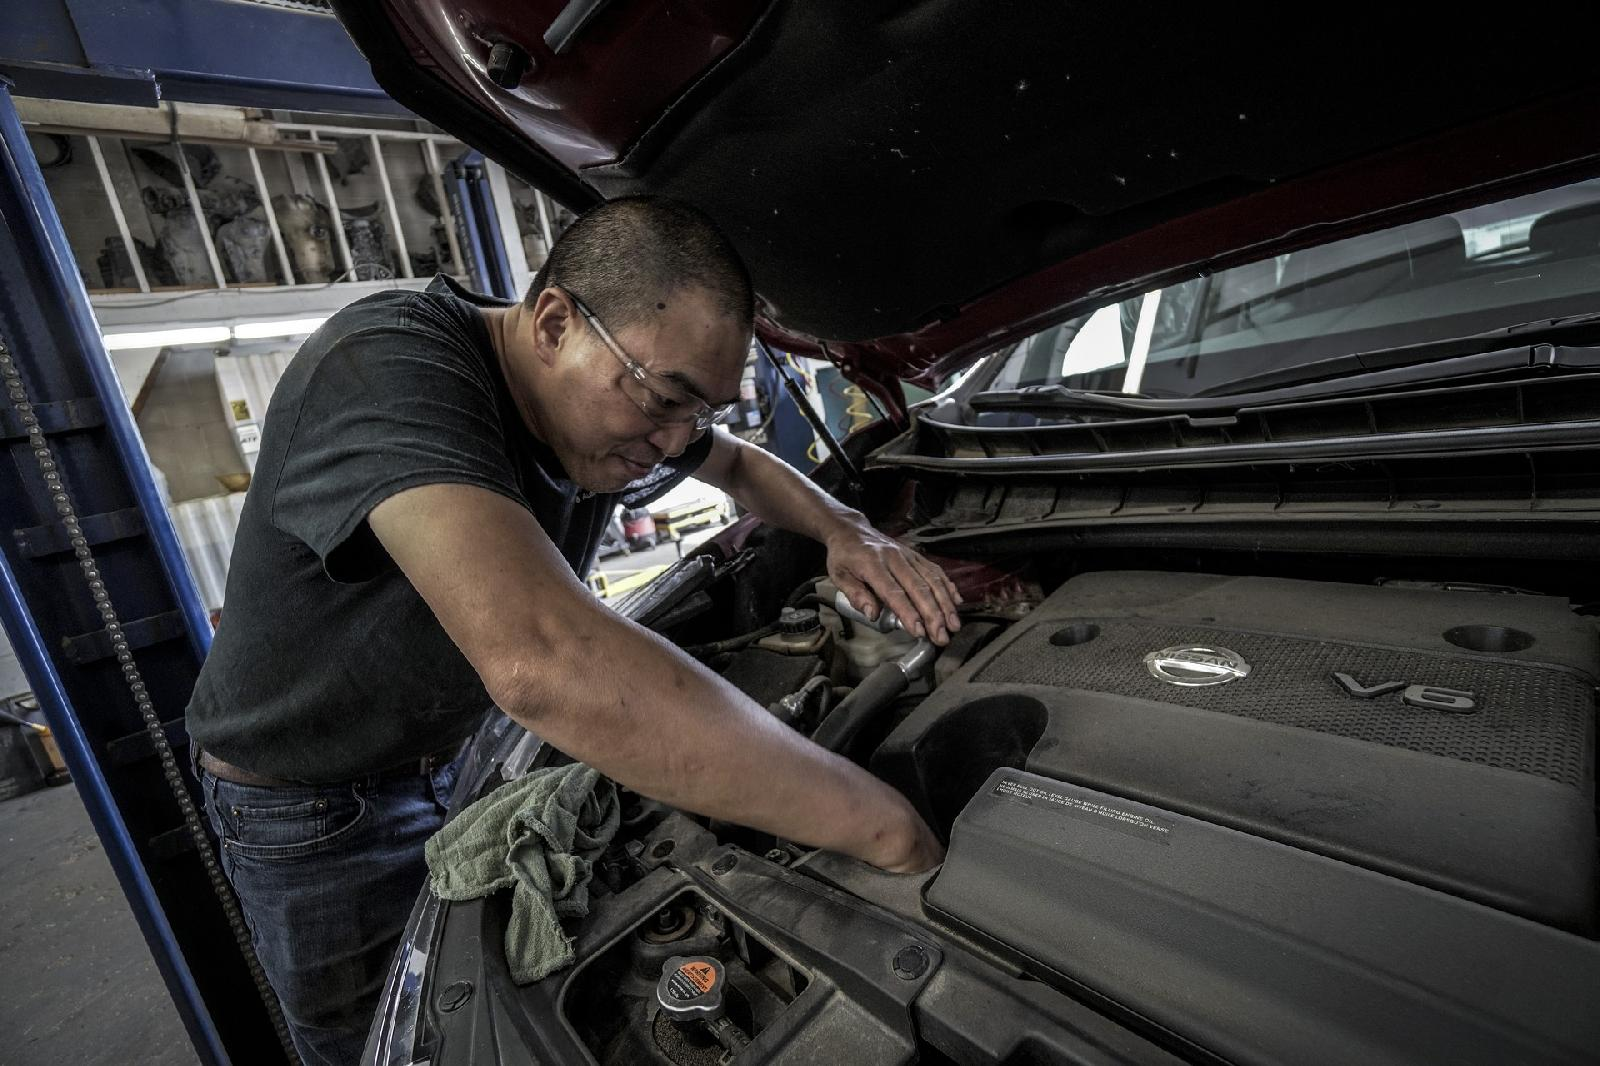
(700, 974)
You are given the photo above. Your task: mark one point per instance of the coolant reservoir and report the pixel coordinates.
(862, 644)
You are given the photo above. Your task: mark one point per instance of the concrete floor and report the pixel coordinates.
(79, 983)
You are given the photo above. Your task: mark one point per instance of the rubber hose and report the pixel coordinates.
(744, 640)
(875, 692)
(808, 587)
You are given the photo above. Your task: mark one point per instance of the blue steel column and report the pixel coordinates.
(490, 267)
(61, 382)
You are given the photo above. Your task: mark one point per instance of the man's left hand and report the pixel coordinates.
(873, 570)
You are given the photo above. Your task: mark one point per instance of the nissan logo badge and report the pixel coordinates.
(1193, 665)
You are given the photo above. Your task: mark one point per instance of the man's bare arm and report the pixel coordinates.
(867, 566)
(620, 698)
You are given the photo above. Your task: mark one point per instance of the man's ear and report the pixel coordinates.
(553, 319)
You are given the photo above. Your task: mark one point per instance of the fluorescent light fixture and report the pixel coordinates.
(244, 331)
(164, 338)
(283, 327)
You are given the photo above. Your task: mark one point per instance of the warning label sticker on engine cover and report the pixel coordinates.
(1105, 815)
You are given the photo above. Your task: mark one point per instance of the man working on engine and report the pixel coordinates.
(435, 472)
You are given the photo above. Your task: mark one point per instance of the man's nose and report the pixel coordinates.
(671, 440)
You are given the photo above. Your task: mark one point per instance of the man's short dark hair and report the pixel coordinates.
(625, 255)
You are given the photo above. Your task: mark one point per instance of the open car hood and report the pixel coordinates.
(914, 184)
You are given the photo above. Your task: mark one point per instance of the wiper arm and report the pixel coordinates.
(1328, 377)
(1061, 398)
(1420, 362)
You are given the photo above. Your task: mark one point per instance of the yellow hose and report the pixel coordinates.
(857, 411)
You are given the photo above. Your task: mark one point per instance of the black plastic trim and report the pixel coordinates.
(1576, 434)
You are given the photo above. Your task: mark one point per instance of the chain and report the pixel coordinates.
(90, 571)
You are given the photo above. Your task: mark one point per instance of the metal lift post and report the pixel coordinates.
(479, 235)
(97, 599)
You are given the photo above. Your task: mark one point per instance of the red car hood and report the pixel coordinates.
(914, 184)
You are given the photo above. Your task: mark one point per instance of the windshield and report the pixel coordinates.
(1521, 260)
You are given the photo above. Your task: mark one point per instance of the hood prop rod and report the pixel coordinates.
(852, 473)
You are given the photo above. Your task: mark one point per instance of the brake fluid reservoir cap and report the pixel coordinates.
(798, 621)
(691, 987)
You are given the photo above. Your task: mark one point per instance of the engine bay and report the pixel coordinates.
(1360, 723)
(1190, 816)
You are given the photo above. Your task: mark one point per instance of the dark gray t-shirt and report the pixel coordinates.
(327, 664)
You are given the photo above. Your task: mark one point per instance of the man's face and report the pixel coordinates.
(592, 409)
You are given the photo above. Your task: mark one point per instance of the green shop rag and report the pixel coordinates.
(539, 836)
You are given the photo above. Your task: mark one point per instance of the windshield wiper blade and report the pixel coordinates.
(1356, 369)
(1329, 377)
(1061, 398)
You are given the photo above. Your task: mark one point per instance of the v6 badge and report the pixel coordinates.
(1428, 697)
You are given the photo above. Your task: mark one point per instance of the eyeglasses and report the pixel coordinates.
(663, 401)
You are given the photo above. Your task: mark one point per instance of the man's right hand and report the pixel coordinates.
(911, 849)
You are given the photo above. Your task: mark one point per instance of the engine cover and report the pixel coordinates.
(1444, 738)
(1228, 947)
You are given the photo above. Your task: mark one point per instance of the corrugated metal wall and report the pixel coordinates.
(206, 528)
(246, 381)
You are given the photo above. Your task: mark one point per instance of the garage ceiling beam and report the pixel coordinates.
(237, 52)
(190, 123)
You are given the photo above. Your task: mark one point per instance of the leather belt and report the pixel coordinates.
(238, 775)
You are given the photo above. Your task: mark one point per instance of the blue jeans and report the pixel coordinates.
(327, 876)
